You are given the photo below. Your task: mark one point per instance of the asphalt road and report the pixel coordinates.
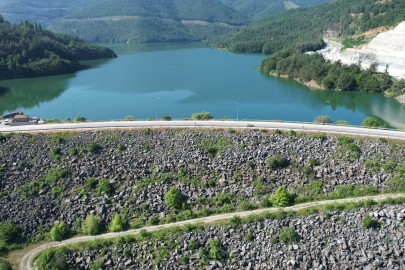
(25, 263)
(208, 124)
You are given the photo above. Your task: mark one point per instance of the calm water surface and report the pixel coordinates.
(187, 78)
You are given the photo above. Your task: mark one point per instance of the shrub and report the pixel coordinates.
(292, 133)
(235, 221)
(202, 252)
(118, 223)
(342, 123)
(67, 119)
(192, 244)
(249, 237)
(129, 118)
(166, 118)
(281, 198)
(53, 120)
(278, 132)
(153, 220)
(174, 198)
(322, 119)
(121, 148)
(249, 164)
(4, 265)
(147, 131)
(318, 136)
(150, 118)
(215, 249)
(231, 130)
(92, 146)
(276, 162)
(370, 122)
(55, 153)
(185, 259)
(369, 222)
(104, 186)
(59, 232)
(201, 116)
(52, 259)
(144, 234)
(80, 119)
(74, 151)
(92, 225)
(263, 130)
(288, 236)
(383, 140)
(313, 162)
(97, 264)
(212, 150)
(273, 240)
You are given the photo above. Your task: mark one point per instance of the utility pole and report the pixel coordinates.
(156, 107)
(74, 116)
(237, 108)
(323, 112)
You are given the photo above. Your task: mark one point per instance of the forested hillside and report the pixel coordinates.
(258, 9)
(27, 50)
(304, 27)
(43, 11)
(150, 21)
(333, 76)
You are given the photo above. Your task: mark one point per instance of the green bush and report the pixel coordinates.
(166, 118)
(55, 153)
(185, 259)
(153, 220)
(92, 225)
(215, 250)
(129, 118)
(118, 223)
(52, 259)
(67, 119)
(288, 236)
(249, 164)
(212, 150)
(273, 240)
(276, 162)
(231, 130)
(8, 232)
(80, 119)
(104, 187)
(322, 119)
(201, 116)
(202, 252)
(121, 148)
(342, 123)
(144, 234)
(2, 171)
(235, 221)
(313, 162)
(369, 222)
(278, 132)
(4, 265)
(192, 244)
(59, 232)
(53, 120)
(292, 133)
(127, 253)
(249, 237)
(150, 118)
(174, 198)
(74, 151)
(147, 131)
(92, 146)
(318, 136)
(96, 265)
(281, 198)
(370, 122)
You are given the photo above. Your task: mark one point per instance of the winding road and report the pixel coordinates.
(25, 263)
(208, 124)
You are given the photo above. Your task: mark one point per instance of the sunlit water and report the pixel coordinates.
(187, 78)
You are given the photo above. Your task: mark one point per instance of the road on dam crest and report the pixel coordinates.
(209, 124)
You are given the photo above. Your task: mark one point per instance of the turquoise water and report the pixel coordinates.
(187, 78)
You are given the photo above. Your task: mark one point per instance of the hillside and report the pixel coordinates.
(43, 11)
(305, 27)
(27, 50)
(258, 9)
(150, 21)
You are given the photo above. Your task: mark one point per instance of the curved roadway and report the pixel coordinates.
(25, 263)
(208, 124)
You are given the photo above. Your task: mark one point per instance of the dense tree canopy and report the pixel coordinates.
(305, 27)
(27, 50)
(305, 67)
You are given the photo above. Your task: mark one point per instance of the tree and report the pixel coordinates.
(201, 116)
(373, 67)
(370, 122)
(281, 198)
(279, 161)
(342, 123)
(118, 223)
(8, 233)
(215, 249)
(166, 118)
(104, 186)
(58, 232)
(235, 221)
(174, 198)
(92, 225)
(369, 222)
(346, 82)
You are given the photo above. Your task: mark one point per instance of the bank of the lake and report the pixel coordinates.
(188, 78)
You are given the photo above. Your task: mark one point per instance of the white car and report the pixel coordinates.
(6, 122)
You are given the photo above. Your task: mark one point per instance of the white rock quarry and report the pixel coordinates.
(387, 48)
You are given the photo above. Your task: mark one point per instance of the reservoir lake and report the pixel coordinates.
(188, 78)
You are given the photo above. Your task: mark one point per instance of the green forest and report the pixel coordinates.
(333, 76)
(136, 21)
(28, 50)
(258, 9)
(304, 27)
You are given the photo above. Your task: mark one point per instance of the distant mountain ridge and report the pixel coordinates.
(258, 9)
(43, 11)
(150, 21)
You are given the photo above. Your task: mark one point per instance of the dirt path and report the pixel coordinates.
(25, 263)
